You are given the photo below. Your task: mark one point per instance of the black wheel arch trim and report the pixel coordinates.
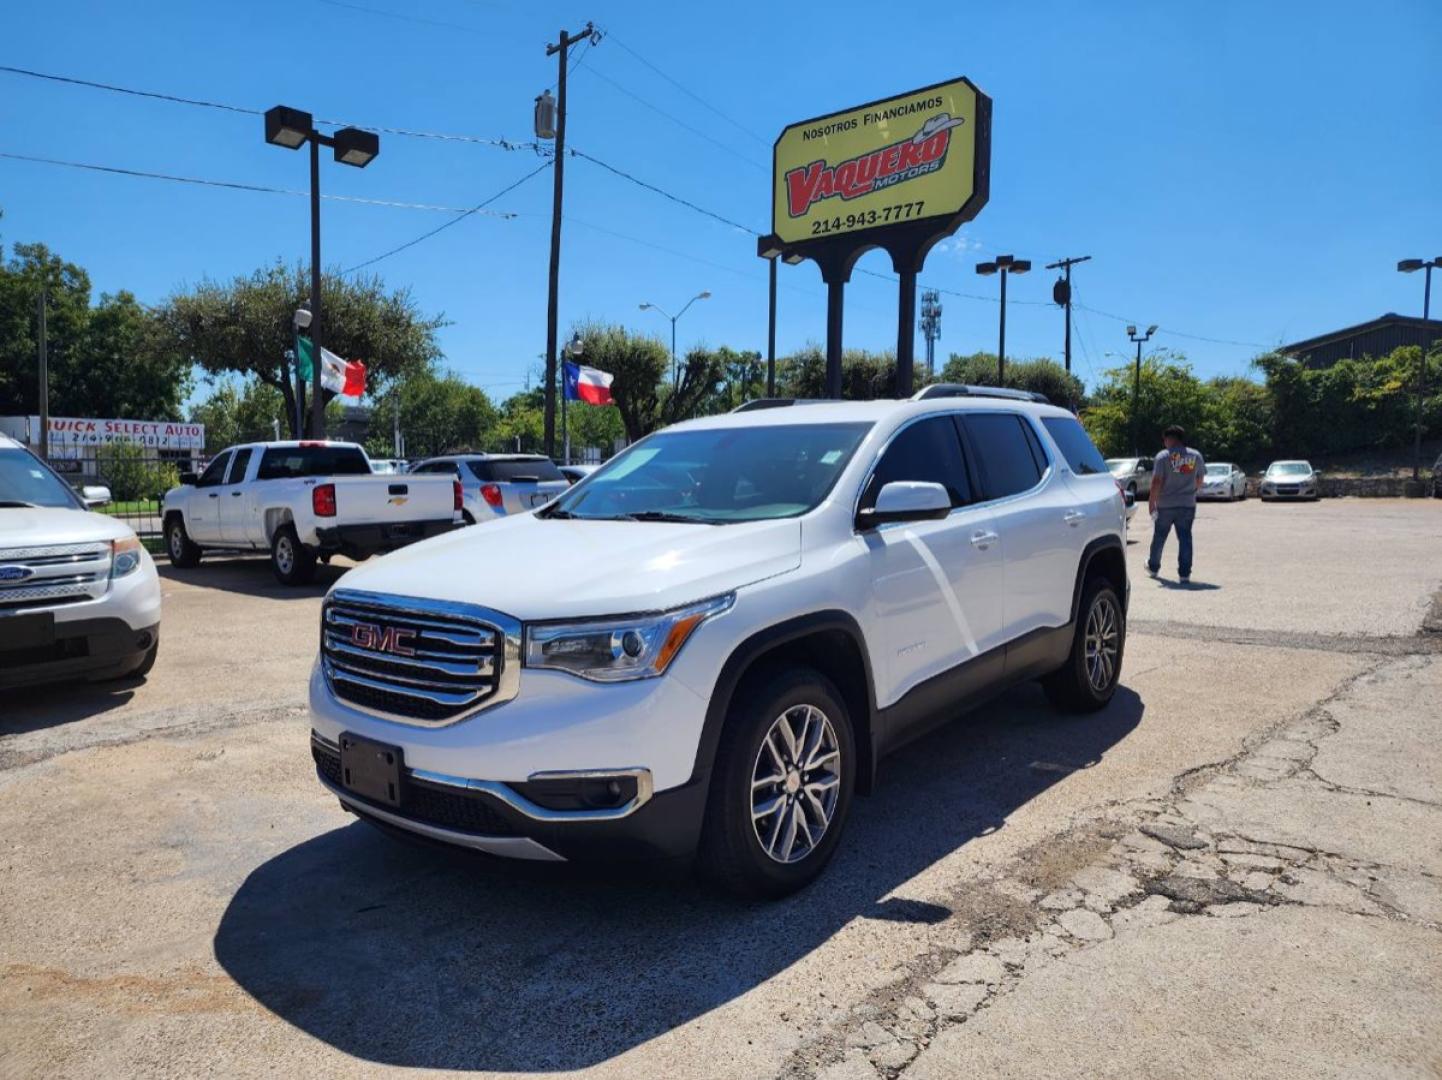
(753, 650)
(1084, 564)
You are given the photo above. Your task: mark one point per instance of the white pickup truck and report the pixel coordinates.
(303, 501)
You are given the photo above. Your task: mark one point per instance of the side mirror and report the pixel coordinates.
(906, 500)
(188, 479)
(93, 495)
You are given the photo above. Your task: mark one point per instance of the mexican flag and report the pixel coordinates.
(336, 375)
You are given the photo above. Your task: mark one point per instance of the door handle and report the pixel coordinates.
(215, 494)
(1073, 517)
(983, 540)
(236, 494)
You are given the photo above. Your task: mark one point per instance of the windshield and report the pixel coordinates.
(718, 476)
(1219, 469)
(1289, 468)
(24, 481)
(1121, 464)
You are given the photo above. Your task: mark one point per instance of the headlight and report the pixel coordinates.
(125, 556)
(622, 648)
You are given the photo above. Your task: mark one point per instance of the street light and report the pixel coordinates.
(704, 294)
(291, 128)
(1137, 378)
(1411, 266)
(1003, 265)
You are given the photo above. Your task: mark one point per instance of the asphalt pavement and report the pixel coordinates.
(1232, 870)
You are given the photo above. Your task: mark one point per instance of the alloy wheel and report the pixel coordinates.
(795, 784)
(284, 555)
(1103, 643)
(177, 543)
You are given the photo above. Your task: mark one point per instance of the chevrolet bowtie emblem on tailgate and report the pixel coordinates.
(391, 639)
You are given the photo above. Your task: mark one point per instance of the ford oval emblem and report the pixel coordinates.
(15, 573)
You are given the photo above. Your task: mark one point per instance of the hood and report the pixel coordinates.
(540, 568)
(34, 526)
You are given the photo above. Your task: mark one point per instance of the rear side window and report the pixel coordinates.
(1076, 446)
(291, 462)
(238, 466)
(1005, 456)
(500, 472)
(927, 450)
(450, 468)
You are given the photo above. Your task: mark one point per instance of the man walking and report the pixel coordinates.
(1176, 476)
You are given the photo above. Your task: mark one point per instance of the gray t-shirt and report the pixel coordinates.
(1174, 477)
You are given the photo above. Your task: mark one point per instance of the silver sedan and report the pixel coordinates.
(1223, 480)
(1291, 480)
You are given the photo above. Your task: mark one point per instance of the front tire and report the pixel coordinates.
(1094, 666)
(183, 553)
(292, 561)
(782, 784)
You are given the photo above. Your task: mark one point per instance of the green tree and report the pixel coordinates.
(237, 412)
(108, 360)
(638, 365)
(130, 474)
(865, 376)
(440, 413)
(1170, 394)
(243, 327)
(1040, 375)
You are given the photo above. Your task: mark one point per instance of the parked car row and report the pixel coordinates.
(1224, 480)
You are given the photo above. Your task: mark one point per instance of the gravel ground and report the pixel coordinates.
(1234, 868)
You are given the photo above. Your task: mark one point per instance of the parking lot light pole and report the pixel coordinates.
(1411, 266)
(291, 128)
(704, 294)
(1137, 380)
(574, 348)
(1003, 265)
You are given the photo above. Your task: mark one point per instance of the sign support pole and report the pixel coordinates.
(906, 333)
(44, 382)
(835, 301)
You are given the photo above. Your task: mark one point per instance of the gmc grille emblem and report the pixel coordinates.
(390, 639)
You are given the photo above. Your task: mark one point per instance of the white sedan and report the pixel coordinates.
(1223, 480)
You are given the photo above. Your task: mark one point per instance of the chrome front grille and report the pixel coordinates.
(424, 662)
(57, 574)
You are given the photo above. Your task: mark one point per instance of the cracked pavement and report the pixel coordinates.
(1234, 869)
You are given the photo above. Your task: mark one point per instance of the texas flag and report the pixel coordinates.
(588, 384)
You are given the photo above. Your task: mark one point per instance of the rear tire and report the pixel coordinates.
(1094, 666)
(182, 551)
(768, 839)
(292, 561)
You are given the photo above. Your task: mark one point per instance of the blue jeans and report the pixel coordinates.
(1180, 518)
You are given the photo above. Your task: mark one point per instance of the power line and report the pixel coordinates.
(461, 217)
(176, 99)
(664, 193)
(1179, 333)
(692, 95)
(678, 121)
(237, 185)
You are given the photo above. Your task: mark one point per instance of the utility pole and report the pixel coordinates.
(1411, 266)
(559, 50)
(930, 327)
(1061, 294)
(44, 386)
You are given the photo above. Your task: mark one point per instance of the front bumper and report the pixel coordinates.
(81, 648)
(556, 724)
(1290, 491)
(363, 541)
(500, 819)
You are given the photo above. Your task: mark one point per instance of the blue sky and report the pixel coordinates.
(1239, 171)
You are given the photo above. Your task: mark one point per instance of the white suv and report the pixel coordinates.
(706, 646)
(79, 597)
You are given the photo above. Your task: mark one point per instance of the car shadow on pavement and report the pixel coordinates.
(251, 575)
(53, 704)
(409, 956)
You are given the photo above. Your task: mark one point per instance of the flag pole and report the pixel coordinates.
(565, 424)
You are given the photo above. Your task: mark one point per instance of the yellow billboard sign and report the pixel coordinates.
(900, 161)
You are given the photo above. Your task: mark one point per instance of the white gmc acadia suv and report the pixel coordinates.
(706, 646)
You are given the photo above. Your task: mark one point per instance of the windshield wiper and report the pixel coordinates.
(663, 515)
(17, 504)
(559, 514)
